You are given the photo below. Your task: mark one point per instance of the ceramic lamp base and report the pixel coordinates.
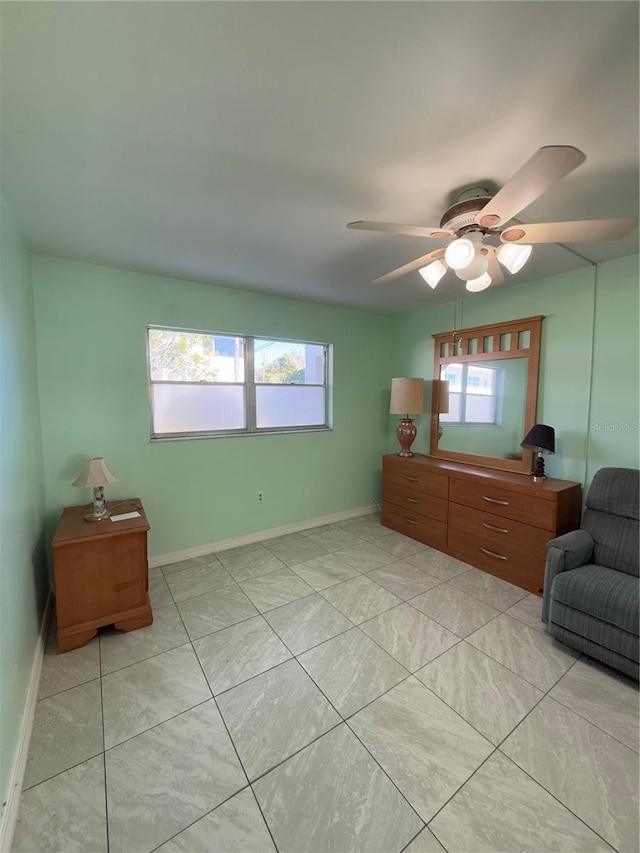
(406, 432)
(100, 511)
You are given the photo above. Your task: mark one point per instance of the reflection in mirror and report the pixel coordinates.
(484, 399)
(486, 410)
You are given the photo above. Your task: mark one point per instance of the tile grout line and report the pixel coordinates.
(193, 822)
(342, 721)
(554, 797)
(104, 746)
(496, 747)
(231, 740)
(190, 643)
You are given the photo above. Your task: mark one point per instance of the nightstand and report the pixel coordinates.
(101, 573)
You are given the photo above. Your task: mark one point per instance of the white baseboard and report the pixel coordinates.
(9, 814)
(260, 536)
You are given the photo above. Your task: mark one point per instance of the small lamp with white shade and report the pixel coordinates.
(96, 475)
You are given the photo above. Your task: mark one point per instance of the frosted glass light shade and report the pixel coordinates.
(94, 473)
(478, 284)
(476, 268)
(407, 396)
(513, 256)
(433, 272)
(460, 253)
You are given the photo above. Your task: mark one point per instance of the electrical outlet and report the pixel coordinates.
(260, 497)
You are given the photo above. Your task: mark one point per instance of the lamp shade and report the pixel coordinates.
(407, 396)
(95, 473)
(443, 396)
(541, 438)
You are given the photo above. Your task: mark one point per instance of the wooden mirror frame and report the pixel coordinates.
(475, 338)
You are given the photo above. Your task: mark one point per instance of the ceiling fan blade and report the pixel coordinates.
(578, 231)
(495, 270)
(414, 265)
(547, 166)
(409, 230)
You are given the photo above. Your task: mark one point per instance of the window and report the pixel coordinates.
(209, 384)
(473, 394)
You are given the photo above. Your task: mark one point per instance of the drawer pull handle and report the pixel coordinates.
(411, 521)
(494, 528)
(494, 501)
(410, 500)
(411, 479)
(492, 554)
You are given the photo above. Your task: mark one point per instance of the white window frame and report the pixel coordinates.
(249, 387)
(463, 398)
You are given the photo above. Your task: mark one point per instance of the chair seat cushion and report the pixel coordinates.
(605, 594)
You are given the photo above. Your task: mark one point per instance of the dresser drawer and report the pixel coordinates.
(506, 560)
(415, 501)
(402, 473)
(496, 533)
(502, 502)
(420, 527)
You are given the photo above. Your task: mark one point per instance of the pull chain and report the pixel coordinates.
(456, 342)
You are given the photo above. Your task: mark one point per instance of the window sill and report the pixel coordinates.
(160, 439)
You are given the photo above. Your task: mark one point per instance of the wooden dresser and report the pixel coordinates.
(495, 520)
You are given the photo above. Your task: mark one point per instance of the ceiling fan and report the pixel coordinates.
(477, 216)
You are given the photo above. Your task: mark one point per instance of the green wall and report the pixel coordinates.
(91, 324)
(588, 365)
(613, 437)
(23, 576)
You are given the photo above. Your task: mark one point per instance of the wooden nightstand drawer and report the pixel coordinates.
(499, 501)
(420, 527)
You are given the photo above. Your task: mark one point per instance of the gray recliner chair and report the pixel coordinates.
(591, 583)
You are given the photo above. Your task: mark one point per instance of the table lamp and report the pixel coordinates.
(96, 474)
(540, 439)
(407, 397)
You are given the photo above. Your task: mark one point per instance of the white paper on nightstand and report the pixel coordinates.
(124, 516)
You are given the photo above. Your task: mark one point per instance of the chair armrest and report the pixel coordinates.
(564, 553)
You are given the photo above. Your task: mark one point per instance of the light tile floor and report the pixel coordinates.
(342, 689)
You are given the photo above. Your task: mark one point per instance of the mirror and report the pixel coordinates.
(485, 400)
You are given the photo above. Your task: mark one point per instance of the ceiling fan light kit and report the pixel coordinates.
(460, 253)
(477, 215)
(513, 256)
(478, 284)
(433, 273)
(475, 269)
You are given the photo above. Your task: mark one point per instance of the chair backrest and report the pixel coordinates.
(611, 517)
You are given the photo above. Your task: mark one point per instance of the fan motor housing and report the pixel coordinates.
(463, 214)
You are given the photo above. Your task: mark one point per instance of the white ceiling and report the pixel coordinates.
(232, 142)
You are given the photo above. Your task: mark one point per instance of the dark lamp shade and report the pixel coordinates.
(541, 438)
